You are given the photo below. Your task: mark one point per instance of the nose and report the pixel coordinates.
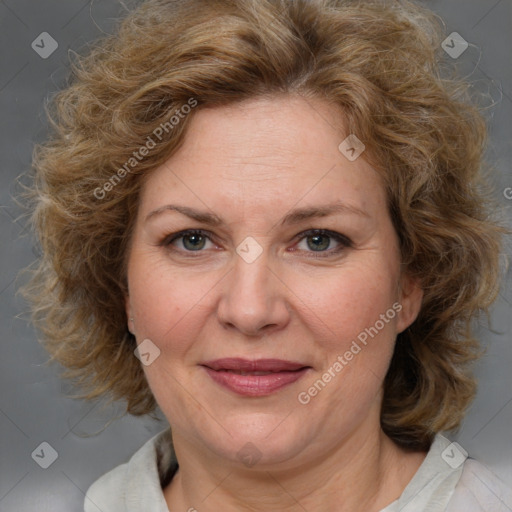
(254, 299)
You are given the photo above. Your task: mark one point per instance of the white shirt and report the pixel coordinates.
(446, 481)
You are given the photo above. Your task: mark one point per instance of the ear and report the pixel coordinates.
(411, 296)
(129, 313)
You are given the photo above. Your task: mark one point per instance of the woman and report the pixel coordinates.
(266, 217)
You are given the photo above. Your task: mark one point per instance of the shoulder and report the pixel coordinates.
(138, 481)
(449, 481)
(480, 490)
(108, 492)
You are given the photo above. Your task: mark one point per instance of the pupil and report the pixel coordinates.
(197, 242)
(318, 243)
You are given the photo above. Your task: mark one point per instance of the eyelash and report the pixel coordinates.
(344, 241)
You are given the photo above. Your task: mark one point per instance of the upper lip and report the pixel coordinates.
(259, 365)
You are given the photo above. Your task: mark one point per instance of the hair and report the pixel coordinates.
(381, 62)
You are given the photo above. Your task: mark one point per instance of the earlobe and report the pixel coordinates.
(411, 296)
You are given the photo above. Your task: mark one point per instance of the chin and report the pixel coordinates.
(258, 439)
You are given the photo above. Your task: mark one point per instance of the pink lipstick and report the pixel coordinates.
(254, 378)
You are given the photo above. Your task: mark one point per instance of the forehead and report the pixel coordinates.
(279, 129)
(262, 150)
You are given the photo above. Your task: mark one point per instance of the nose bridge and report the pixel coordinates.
(252, 298)
(251, 277)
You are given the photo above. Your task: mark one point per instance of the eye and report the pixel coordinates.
(193, 240)
(322, 241)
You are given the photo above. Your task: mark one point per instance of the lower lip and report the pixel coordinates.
(255, 385)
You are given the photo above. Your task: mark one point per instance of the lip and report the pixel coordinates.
(277, 374)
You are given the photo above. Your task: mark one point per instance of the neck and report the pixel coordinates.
(366, 472)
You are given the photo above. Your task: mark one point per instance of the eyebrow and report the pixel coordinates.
(293, 217)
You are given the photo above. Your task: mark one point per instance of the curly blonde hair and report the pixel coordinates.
(382, 63)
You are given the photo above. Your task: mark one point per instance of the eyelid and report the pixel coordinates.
(344, 241)
(193, 231)
(319, 231)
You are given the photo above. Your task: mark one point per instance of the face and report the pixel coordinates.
(265, 273)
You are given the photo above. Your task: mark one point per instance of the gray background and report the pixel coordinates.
(33, 408)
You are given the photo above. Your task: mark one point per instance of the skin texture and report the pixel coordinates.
(251, 164)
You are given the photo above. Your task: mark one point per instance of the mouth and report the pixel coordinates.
(254, 378)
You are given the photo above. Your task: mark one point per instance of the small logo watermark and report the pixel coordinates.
(44, 45)
(454, 455)
(45, 455)
(249, 454)
(351, 148)
(454, 45)
(249, 250)
(147, 352)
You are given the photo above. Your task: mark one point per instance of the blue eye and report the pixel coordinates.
(319, 241)
(191, 240)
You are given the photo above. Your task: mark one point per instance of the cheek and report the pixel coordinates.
(347, 303)
(167, 302)
(356, 344)
(355, 335)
